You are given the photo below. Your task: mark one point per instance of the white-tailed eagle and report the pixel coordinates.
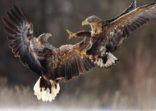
(52, 64)
(107, 35)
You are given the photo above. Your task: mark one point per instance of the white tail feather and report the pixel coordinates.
(44, 94)
(111, 59)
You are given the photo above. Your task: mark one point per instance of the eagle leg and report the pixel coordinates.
(81, 53)
(71, 34)
(79, 34)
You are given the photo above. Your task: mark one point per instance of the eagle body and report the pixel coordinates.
(100, 51)
(53, 65)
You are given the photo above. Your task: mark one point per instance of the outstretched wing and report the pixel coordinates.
(132, 6)
(69, 63)
(123, 26)
(20, 34)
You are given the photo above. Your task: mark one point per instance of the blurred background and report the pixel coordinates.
(128, 84)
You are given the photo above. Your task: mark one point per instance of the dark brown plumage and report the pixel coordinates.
(52, 64)
(108, 35)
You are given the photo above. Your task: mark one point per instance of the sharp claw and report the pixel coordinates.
(71, 34)
(81, 53)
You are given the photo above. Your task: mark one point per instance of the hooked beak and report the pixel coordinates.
(49, 34)
(84, 23)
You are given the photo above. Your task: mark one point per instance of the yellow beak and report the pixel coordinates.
(85, 22)
(49, 34)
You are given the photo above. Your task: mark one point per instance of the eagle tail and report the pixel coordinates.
(107, 60)
(46, 90)
(111, 59)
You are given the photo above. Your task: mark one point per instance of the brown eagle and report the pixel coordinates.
(108, 35)
(52, 64)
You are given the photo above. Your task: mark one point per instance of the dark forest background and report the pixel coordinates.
(131, 82)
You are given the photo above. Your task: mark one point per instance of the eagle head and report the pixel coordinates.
(95, 24)
(91, 20)
(43, 38)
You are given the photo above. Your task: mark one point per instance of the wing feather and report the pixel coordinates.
(71, 64)
(20, 33)
(126, 24)
(132, 6)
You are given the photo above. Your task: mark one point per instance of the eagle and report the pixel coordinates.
(108, 35)
(99, 61)
(53, 65)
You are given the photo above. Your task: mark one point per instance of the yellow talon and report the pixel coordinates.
(71, 34)
(82, 53)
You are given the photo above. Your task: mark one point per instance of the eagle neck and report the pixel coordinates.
(96, 28)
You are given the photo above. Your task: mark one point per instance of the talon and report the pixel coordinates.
(82, 54)
(71, 34)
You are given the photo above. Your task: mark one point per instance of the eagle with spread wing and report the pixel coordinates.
(108, 35)
(52, 64)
